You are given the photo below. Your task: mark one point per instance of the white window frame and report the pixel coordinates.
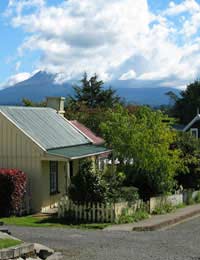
(196, 131)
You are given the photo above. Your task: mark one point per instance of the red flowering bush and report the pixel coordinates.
(12, 189)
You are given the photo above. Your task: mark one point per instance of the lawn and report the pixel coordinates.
(5, 243)
(31, 221)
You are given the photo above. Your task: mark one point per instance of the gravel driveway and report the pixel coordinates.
(182, 242)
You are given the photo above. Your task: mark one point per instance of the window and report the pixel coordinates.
(53, 177)
(194, 132)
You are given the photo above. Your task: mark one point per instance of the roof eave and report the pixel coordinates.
(81, 156)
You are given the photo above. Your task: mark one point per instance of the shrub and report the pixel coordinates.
(114, 180)
(12, 190)
(197, 197)
(87, 185)
(129, 194)
(163, 209)
(189, 199)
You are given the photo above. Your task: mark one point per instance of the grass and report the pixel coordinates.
(31, 221)
(5, 243)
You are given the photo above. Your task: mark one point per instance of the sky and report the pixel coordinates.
(145, 40)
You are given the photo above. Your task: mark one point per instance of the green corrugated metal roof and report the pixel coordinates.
(45, 126)
(78, 151)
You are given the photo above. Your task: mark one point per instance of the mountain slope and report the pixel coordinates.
(42, 84)
(35, 88)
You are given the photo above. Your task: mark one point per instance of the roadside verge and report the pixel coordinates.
(157, 222)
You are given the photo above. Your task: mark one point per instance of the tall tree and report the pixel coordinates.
(185, 107)
(90, 102)
(92, 94)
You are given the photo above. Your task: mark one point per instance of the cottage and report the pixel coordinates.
(194, 126)
(45, 145)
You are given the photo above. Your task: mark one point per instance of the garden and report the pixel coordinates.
(150, 158)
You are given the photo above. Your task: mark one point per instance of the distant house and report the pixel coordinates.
(102, 159)
(46, 146)
(194, 126)
(92, 136)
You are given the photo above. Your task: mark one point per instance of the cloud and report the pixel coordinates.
(117, 39)
(14, 79)
(185, 6)
(131, 74)
(191, 7)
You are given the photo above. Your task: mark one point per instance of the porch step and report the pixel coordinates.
(50, 213)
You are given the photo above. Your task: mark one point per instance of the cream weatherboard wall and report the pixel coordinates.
(17, 150)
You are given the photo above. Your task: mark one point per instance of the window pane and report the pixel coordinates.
(53, 176)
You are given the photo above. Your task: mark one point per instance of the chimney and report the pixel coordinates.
(57, 103)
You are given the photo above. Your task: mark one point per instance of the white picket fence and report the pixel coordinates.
(94, 212)
(91, 212)
(110, 212)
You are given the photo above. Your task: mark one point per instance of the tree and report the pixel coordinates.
(92, 95)
(142, 142)
(189, 174)
(185, 107)
(90, 102)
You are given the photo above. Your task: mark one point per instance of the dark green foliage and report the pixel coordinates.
(92, 94)
(114, 181)
(87, 185)
(129, 194)
(197, 197)
(185, 107)
(188, 175)
(90, 102)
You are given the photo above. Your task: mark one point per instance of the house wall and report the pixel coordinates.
(49, 201)
(19, 151)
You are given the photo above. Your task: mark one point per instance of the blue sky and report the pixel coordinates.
(117, 39)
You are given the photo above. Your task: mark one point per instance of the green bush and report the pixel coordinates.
(87, 185)
(114, 180)
(163, 209)
(190, 200)
(197, 197)
(130, 218)
(129, 194)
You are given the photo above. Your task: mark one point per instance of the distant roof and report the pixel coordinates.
(45, 126)
(80, 151)
(92, 136)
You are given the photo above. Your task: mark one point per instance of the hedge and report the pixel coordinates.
(12, 189)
